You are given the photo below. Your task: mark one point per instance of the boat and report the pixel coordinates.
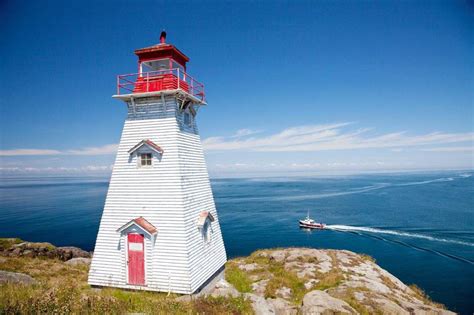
(309, 223)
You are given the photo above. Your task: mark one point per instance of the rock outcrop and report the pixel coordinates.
(15, 277)
(16, 248)
(314, 281)
(281, 281)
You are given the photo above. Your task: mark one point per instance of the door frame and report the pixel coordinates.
(127, 271)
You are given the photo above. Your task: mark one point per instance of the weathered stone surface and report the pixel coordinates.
(260, 286)
(66, 253)
(278, 255)
(283, 307)
(310, 283)
(31, 249)
(224, 288)
(284, 292)
(15, 277)
(319, 302)
(248, 267)
(345, 275)
(79, 261)
(260, 305)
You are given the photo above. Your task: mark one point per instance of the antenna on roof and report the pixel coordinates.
(162, 37)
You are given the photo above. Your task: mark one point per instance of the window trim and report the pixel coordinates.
(140, 159)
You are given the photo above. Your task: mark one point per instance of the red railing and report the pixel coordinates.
(153, 81)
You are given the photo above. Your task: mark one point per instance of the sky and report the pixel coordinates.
(293, 87)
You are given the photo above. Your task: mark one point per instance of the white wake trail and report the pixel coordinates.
(350, 228)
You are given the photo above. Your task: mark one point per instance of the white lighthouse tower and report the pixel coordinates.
(159, 230)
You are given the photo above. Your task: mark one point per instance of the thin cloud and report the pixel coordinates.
(331, 137)
(16, 152)
(449, 149)
(103, 150)
(245, 133)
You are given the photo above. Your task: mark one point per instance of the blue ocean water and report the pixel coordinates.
(418, 226)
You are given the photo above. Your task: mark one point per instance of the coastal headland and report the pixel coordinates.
(40, 277)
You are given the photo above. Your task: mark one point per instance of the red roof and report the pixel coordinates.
(148, 143)
(203, 216)
(147, 226)
(141, 222)
(161, 51)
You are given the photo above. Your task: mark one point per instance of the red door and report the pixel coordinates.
(136, 259)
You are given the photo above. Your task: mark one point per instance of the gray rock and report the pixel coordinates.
(248, 267)
(310, 283)
(68, 252)
(224, 288)
(79, 261)
(278, 255)
(260, 286)
(260, 305)
(319, 302)
(15, 277)
(284, 292)
(283, 307)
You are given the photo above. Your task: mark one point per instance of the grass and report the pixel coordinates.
(284, 278)
(419, 293)
(332, 278)
(7, 243)
(238, 278)
(366, 257)
(62, 288)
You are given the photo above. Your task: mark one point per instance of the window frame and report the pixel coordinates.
(207, 231)
(148, 158)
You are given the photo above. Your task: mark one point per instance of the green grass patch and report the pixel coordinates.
(419, 293)
(238, 278)
(7, 243)
(63, 289)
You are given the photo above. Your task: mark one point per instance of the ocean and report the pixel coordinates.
(418, 226)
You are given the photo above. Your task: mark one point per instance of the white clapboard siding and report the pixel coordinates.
(170, 195)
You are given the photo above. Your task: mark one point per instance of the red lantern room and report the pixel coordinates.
(161, 69)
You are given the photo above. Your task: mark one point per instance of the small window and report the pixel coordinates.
(146, 159)
(207, 231)
(187, 119)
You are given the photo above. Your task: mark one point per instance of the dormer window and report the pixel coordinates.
(146, 159)
(145, 151)
(204, 225)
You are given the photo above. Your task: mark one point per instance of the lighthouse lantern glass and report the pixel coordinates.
(160, 65)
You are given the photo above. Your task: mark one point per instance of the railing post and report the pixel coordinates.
(147, 82)
(178, 78)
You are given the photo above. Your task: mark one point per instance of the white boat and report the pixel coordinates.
(309, 223)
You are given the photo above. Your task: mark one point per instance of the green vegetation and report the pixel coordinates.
(7, 243)
(332, 278)
(424, 297)
(62, 288)
(284, 278)
(279, 276)
(237, 278)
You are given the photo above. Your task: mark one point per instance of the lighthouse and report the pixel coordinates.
(159, 229)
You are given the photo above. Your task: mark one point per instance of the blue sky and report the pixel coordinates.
(293, 87)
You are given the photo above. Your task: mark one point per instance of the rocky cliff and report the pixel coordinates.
(39, 277)
(315, 281)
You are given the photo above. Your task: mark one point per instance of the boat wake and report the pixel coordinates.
(349, 228)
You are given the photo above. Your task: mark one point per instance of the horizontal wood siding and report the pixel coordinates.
(170, 195)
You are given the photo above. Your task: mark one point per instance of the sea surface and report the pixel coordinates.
(418, 226)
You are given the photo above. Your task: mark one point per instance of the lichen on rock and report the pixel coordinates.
(317, 281)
